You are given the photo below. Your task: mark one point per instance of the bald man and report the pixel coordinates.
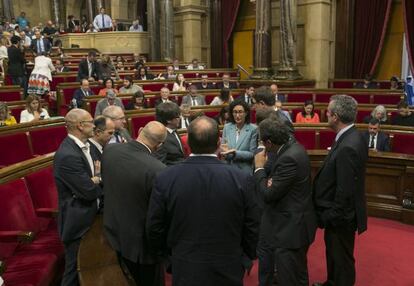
(128, 174)
(77, 180)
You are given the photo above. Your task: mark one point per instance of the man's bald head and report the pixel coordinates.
(203, 135)
(79, 123)
(152, 135)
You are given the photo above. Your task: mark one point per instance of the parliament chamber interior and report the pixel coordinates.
(58, 56)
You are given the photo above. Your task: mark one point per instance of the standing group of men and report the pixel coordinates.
(208, 219)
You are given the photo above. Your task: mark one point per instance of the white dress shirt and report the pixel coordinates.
(99, 24)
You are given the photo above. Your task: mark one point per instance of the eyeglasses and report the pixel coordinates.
(86, 121)
(119, 118)
(238, 111)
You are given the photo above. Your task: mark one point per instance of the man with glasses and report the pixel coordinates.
(117, 115)
(109, 100)
(128, 174)
(171, 152)
(77, 179)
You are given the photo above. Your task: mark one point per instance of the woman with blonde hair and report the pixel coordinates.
(379, 113)
(34, 110)
(6, 119)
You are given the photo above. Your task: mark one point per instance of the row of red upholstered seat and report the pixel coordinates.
(27, 211)
(28, 143)
(350, 83)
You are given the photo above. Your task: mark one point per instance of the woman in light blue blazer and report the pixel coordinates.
(239, 139)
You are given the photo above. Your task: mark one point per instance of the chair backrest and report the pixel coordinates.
(403, 143)
(137, 122)
(16, 213)
(15, 148)
(47, 140)
(306, 138)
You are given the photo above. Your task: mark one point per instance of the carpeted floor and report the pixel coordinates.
(384, 256)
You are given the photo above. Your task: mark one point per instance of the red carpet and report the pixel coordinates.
(384, 256)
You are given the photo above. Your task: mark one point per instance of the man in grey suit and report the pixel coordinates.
(192, 98)
(288, 222)
(110, 100)
(128, 173)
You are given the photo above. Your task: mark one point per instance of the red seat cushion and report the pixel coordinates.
(39, 270)
(156, 86)
(18, 141)
(140, 121)
(361, 98)
(403, 143)
(47, 140)
(361, 115)
(323, 97)
(11, 95)
(306, 138)
(386, 99)
(298, 97)
(326, 139)
(42, 188)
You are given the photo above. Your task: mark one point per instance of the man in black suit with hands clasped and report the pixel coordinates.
(202, 211)
(128, 173)
(374, 138)
(77, 180)
(339, 192)
(288, 222)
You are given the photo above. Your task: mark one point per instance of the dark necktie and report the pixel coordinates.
(103, 22)
(372, 142)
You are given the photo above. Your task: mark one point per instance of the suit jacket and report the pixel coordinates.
(159, 101)
(128, 173)
(63, 69)
(383, 141)
(79, 96)
(288, 219)
(83, 70)
(280, 97)
(77, 192)
(103, 103)
(199, 98)
(16, 62)
(339, 186)
(245, 146)
(203, 212)
(201, 87)
(46, 43)
(95, 152)
(170, 153)
(232, 84)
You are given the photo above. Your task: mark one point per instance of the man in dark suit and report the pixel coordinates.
(16, 68)
(165, 96)
(264, 99)
(89, 68)
(288, 222)
(60, 66)
(77, 180)
(204, 84)
(275, 92)
(247, 96)
(103, 131)
(193, 98)
(82, 92)
(226, 83)
(202, 211)
(40, 44)
(171, 152)
(128, 173)
(339, 191)
(374, 138)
